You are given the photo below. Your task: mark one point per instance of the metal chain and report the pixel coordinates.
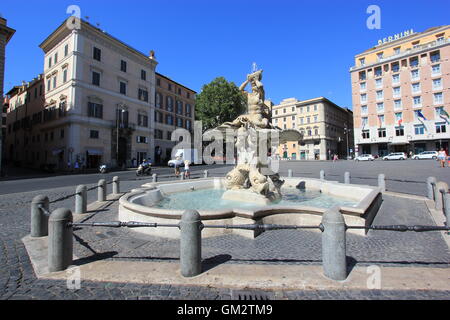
(265, 227)
(65, 197)
(44, 210)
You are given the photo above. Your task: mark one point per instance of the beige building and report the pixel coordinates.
(400, 93)
(326, 128)
(174, 108)
(97, 104)
(5, 35)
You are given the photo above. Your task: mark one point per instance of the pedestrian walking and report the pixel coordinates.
(442, 156)
(187, 172)
(335, 157)
(76, 166)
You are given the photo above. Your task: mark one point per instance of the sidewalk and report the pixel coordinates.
(142, 260)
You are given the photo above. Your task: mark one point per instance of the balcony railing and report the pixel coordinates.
(407, 52)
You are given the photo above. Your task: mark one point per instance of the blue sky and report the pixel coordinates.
(305, 47)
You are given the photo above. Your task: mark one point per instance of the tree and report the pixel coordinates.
(219, 101)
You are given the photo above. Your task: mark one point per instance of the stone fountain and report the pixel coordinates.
(252, 192)
(255, 138)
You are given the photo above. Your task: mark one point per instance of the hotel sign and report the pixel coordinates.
(396, 36)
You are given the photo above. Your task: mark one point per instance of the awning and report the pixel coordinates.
(398, 143)
(94, 152)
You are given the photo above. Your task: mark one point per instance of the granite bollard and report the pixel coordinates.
(60, 240)
(39, 220)
(191, 243)
(334, 258)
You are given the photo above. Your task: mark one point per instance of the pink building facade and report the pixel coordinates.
(400, 94)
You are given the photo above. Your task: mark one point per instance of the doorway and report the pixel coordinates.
(122, 156)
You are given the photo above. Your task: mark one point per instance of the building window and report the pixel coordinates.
(419, 130)
(307, 109)
(158, 82)
(123, 66)
(54, 82)
(123, 88)
(437, 98)
(395, 67)
(169, 119)
(365, 134)
(378, 72)
(179, 109)
(61, 134)
(417, 101)
(142, 120)
(381, 120)
(49, 62)
(143, 75)
(362, 86)
(414, 62)
(363, 98)
(380, 95)
(66, 50)
(415, 75)
(362, 62)
(416, 87)
(362, 76)
(188, 125)
(65, 75)
(316, 118)
(143, 95)
(382, 133)
(95, 110)
(435, 57)
(56, 58)
(97, 55)
(399, 131)
(169, 87)
(141, 139)
(169, 135)
(95, 78)
(93, 134)
(441, 127)
(437, 84)
(179, 122)
(436, 69)
(397, 92)
(396, 78)
(364, 109)
(397, 104)
(380, 56)
(158, 134)
(380, 107)
(379, 83)
(188, 109)
(169, 103)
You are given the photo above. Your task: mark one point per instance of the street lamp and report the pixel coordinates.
(346, 134)
(118, 110)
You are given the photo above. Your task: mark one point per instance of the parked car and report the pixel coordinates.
(426, 155)
(396, 156)
(364, 157)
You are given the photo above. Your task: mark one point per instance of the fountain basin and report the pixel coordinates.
(358, 204)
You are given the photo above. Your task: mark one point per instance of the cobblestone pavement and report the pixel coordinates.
(18, 281)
